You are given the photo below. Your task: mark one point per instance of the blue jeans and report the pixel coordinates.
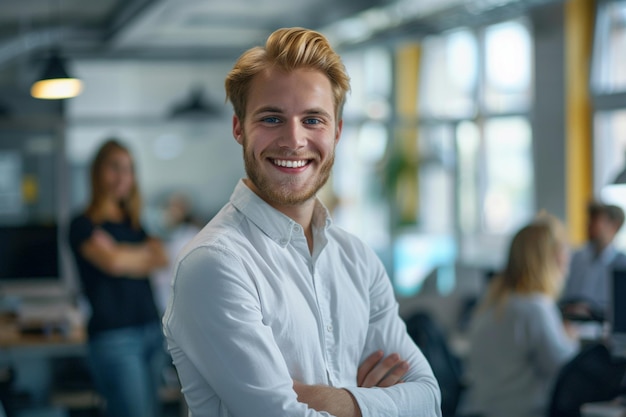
(126, 365)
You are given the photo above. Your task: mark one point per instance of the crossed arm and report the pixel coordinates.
(249, 360)
(119, 259)
(375, 371)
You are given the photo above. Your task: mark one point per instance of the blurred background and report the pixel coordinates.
(465, 118)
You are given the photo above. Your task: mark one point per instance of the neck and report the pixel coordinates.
(600, 246)
(111, 210)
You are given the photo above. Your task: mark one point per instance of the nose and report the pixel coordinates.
(293, 135)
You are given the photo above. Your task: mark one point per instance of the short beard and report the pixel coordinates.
(280, 194)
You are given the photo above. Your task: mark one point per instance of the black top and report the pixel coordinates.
(116, 302)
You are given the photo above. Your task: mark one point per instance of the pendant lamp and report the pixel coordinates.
(55, 83)
(195, 107)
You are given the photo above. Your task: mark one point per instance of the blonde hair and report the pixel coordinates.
(533, 262)
(287, 49)
(131, 206)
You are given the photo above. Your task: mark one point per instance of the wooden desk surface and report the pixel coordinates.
(12, 335)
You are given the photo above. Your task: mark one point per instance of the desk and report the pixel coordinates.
(12, 338)
(614, 408)
(30, 355)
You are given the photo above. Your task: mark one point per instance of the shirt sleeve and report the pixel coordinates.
(224, 353)
(419, 395)
(550, 345)
(81, 229)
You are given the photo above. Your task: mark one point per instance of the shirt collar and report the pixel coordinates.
(606, 256)
(272, 222)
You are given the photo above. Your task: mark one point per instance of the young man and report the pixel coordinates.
(276, 312)
(587, 288)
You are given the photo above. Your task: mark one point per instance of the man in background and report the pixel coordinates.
(587, 288)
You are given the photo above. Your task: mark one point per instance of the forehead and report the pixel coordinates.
(118, 156)
(600, 216)
(299, 87)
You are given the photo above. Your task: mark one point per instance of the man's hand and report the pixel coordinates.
(375, 371)
(336, 401)
(378, 372)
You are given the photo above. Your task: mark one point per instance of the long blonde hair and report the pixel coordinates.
(131, 206)
(287, 49)
(533, 262)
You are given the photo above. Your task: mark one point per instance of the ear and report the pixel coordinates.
(237, 130)
(338, 131)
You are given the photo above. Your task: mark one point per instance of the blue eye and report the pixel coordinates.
(270, 120)
(312, 121)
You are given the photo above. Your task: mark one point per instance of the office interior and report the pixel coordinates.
(465, 118)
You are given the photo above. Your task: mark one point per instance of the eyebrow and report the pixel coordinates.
(268, 109)
(273, 109)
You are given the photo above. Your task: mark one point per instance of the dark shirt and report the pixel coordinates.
(116, 302)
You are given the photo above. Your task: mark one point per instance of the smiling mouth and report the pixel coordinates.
(286, 163)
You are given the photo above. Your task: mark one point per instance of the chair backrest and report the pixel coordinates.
(591, 376)
(431, 340)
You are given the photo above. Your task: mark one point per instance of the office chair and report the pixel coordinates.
(7, 376)
(591, 376)
(431, 340)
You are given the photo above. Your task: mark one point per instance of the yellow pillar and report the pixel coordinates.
(579, 20)
(406, 142)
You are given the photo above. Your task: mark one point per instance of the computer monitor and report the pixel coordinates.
(29, 252)
(617, 312)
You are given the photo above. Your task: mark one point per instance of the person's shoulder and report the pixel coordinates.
(533, 303)
(80, 228)
(80, 221)
(582, 252)
(620, 260)
(355, 253)
(348, 241)
(221, 234)
(342, 235)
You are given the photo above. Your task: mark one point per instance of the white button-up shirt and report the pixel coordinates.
(252, 310)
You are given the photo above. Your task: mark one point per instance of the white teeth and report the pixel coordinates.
(289, 164)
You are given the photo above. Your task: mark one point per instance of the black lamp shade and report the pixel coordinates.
(54, 69)
(195, 108)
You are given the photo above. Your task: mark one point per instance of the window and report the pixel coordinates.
(608, 82)
(507, 68)
(609, 60)
(610, 160)
(445, 91)
(476, 86)
(356, 192)
(609, 146)
(508, 198)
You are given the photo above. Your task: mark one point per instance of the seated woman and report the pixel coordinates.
(518, 341)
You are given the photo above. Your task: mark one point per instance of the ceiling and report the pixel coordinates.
(185, 28)
(177, 29)
(210, 29)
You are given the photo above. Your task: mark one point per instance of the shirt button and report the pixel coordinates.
(329, 327)
(283, 241)
(296, 228)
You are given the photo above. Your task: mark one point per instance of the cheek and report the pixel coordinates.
(109, 178)
(128, 180)
(120, 181)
